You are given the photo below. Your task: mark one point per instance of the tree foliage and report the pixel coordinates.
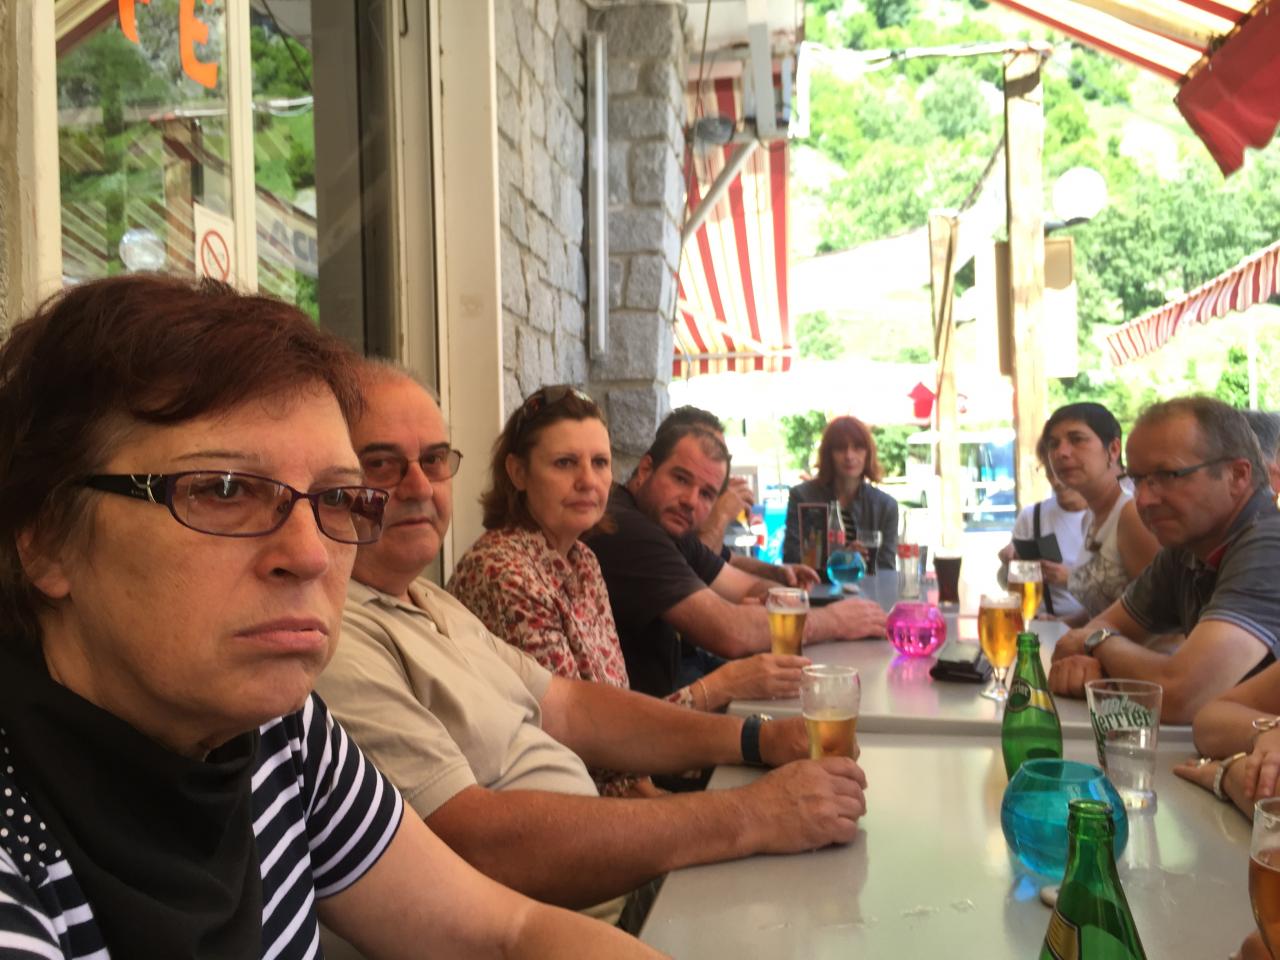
(908, 139)
(817, 338)
(800, 435)
(918, 136)
(891, 13)
(1233, 384)
(891, 447)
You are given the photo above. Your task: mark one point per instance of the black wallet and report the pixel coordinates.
(962, 664)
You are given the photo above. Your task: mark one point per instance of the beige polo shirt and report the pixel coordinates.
(439, 703)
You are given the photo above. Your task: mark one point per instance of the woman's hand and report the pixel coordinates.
(1262, 766)
(1055, 574)
(765, 676)
(1200, 771)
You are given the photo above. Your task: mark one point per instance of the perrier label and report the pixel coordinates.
(1030, 729)
(1092, 919)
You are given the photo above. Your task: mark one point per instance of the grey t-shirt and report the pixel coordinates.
(1178, 590)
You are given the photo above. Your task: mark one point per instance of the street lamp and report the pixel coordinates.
(1078, 196)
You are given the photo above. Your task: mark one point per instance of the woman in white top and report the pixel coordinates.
(1082, 441)
(1061, 515)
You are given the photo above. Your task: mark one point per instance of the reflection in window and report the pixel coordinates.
(140, 141)
(143, 144)
(145, 159)
(284, 152)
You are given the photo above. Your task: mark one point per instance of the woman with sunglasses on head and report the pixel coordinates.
(532, 580)
(1082, 441)
(179, 512)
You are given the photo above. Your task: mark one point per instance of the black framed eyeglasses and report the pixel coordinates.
(386, 468)
(1159, 479)
(229, 504)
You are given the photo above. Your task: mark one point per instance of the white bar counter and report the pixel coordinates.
(929, 874)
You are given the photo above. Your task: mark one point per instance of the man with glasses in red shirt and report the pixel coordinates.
(1202, 490)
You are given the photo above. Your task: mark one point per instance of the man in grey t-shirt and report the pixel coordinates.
(1202, 490)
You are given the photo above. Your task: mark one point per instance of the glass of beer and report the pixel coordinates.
(1026, 580)
(1264, 871)
(787, 608)
(830, 696)
(999, 623)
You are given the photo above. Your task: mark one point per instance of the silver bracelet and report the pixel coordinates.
(1226, 763)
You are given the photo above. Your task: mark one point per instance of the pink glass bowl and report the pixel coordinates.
(915, 628)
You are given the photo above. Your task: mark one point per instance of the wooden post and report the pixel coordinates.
(1024, 147)
(943, 236)
(180, 144)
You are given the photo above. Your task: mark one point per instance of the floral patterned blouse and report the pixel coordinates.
(555, 609)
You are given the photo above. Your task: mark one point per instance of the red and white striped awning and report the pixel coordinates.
(1251, 281)
(1224, 54)
(732, 296)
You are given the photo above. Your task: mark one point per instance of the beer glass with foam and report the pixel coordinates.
(1027, 581)
(830, 696)
(999, 623)
(788, 609)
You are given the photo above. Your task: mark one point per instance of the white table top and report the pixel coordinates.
(943, 883)
(899, 696)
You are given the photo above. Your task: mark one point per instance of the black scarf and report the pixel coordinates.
(162, 845)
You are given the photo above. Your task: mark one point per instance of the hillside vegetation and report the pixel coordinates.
(917, 136)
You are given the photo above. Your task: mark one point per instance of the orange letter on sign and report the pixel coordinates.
(129, 19)
(190, 32)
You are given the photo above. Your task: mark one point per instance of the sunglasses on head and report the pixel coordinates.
(546, 398)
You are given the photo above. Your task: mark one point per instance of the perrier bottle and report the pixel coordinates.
(1030, 729)
(1092, 919)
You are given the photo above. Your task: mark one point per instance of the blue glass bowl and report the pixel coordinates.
(1033, 813)
(846, 566)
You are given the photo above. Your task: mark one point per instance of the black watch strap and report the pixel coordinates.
(751, 738)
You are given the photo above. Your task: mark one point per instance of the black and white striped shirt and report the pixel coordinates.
(322, 815)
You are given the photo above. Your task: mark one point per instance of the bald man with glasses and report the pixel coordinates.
(1201, 488)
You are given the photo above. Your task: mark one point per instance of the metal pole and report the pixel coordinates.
(727, 175)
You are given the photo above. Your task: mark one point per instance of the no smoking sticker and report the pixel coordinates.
(214, 237)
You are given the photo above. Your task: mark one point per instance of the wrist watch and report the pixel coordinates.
(1223, 765)
(1097, 639)
(751, 738)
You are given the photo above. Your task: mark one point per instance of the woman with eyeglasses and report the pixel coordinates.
(179, 512)
(532, 580)
(1082, 441)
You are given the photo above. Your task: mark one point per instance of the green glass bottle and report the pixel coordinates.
(1031, 728)
(1092, 919)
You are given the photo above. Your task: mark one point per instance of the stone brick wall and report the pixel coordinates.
(541, 93)
(646, 200)
(541, 66)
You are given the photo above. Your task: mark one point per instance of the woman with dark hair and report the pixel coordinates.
(847, 466)
(179, 512)
(1082, 441)
(532, 581)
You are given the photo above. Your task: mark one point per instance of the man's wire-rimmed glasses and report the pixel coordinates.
(386, 468)
(229, 504)
(1159, 479)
